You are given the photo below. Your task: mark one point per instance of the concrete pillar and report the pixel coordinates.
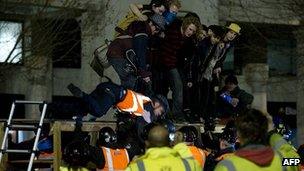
(256, 75)
(38, 69)
(299, 34)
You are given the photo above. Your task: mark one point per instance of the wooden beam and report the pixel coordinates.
(3, 163)
(57, 145)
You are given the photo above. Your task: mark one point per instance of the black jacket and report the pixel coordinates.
(226, 110)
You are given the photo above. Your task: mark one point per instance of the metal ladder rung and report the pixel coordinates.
(28, 102)
(20, 127)
(17, 151)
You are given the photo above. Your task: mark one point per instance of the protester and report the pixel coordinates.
(232, 100)
(127, 53)
(140, 12)
(174, 49)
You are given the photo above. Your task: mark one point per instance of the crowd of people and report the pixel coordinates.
(248, 143)
(154, 50)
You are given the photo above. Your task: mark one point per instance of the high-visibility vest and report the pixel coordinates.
(115, 159)
(198, 155)
(237, 163)
(223, 156)
(133, 103)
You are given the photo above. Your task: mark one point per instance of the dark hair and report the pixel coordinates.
(218, 31)
(192, 14)
(204, 27)
(231, 79)
(252, 126)
(157, 3)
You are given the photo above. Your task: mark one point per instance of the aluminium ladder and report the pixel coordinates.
(9, 126)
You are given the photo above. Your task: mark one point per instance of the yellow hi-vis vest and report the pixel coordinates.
(133, 103)
(163, 158)
(115, 159)
(236, 163)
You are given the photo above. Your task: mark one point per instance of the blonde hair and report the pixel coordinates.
(175, 2)
(192, 20)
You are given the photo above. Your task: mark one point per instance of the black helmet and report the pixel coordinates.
(106, 137)
(170, 127)
(164, 102)
(229, 133)
(76, 154)
(190, 133)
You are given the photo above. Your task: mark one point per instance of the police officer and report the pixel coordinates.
(190, 137)
(116, 158)
(255, 153)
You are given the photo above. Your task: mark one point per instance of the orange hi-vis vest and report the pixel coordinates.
(115, 159)
(198, 155)
(133, 103)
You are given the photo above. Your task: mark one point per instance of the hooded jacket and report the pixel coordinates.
(260, 157)
(252, 158)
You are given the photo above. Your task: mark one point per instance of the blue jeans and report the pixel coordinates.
(176, 85)
(128, 80)
(103, 98)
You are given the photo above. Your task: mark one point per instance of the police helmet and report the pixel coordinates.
(190, 133)
(76, 154)
(106, 137)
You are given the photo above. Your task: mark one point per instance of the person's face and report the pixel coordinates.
(159, 10)
(158, 109)
(190, 30)
(230, 86)
(154, 28)
(214, 40)
(203, 35)
(173, 9)
(230, 35)
(210, 33)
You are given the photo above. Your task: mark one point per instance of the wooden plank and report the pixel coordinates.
(3, 163)
(86, 127)
(57, 145)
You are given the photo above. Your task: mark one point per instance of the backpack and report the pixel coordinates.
(100, 61)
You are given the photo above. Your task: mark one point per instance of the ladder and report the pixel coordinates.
(10, 126)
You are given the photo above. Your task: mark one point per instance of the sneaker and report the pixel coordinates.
(75, 90)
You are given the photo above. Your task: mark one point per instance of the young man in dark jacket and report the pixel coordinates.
(173, 51)
(136, 39)
(232, 100)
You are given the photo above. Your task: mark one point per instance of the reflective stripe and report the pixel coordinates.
(124, 37)
(228, 164)
(284, 168)
(187, 166)
(141, 34)
(127, 155)
(140, 165)
(109, 159)
(278, 144)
